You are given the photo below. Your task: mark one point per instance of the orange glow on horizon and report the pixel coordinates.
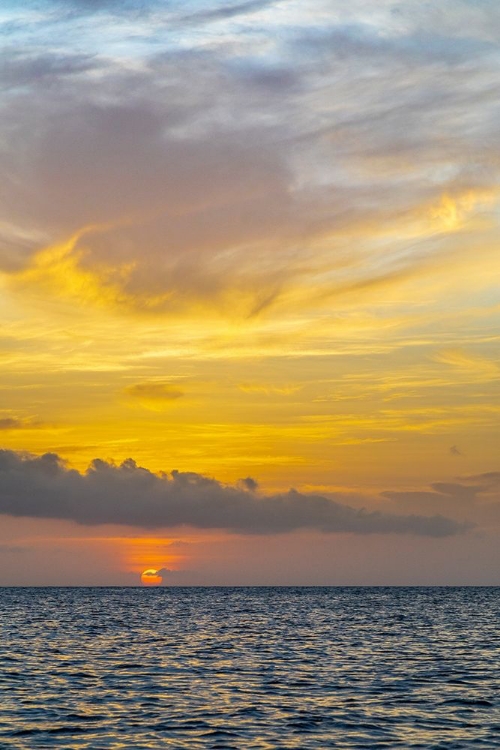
(148, 553)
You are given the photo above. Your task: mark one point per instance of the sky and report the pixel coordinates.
(249, 296)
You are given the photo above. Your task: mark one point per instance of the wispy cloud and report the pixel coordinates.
(18, 423)
(247, 157)
(154, 394)
(482, 368)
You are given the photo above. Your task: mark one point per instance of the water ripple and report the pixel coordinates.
(252, 668)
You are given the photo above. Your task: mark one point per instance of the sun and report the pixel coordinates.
(151, 577)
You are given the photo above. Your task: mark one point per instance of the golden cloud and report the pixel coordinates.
(154, 394)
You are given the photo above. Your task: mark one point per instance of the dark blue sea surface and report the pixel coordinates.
(225, 668)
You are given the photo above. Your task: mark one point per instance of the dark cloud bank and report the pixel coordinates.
(44, 487)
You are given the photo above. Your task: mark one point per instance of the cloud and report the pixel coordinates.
(10, 423)
(482, 368)
(231, 163)
(44, 487)
(154, 392)
(266, 389)
(26, 69)
(166, 574)
(248, 484)
(441, 492)
(475, 496)
(162, 571)
(487, 480)
(226, 11)
(153, 573)
(14, 423)
(179, 577)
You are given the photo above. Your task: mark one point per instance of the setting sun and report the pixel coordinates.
(151, 577)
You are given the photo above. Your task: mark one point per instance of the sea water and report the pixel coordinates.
(248, 668)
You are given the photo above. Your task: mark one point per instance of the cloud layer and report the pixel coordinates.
(221, 154)
(44, 487)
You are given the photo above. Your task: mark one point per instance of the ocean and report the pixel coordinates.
(250, 668)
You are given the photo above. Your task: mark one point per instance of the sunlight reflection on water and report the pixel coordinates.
(249, 668)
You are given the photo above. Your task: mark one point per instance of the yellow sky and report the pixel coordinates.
(320, 390)
(263, 245)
